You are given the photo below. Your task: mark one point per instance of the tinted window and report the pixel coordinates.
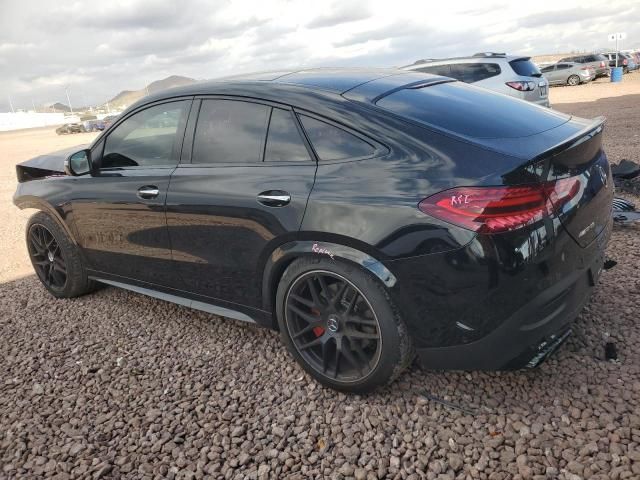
(284, 142)
(229, 131)
(474, 72)
(548, 69)
(525, 67)
(562, 66)
(471, 111)
(147, 138)
(444, 70)
(332, 143)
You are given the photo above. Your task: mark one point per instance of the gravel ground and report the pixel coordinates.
(117, 385)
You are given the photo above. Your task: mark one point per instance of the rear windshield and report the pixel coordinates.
(525, 67)
(471, 111)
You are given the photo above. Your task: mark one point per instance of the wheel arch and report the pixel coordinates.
(30, 201)
(282, 256)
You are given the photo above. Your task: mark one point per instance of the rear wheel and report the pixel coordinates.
(55, 258)
(573, 80)
(340, 324)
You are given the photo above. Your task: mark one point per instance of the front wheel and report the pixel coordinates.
(573, 80)
(55, 258)
(340, 324)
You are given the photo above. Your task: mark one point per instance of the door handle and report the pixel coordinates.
(148, 192)
(274, 198)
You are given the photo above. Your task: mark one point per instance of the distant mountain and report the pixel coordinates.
(127, 97)
(58, 107)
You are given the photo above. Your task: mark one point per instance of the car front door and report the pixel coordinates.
(118, 212)
(241, 192)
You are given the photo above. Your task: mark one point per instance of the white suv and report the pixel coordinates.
(512, 75)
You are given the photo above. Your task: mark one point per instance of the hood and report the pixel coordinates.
(45, 165)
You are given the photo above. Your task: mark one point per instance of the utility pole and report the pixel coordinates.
(33, 104)
(11, 104)
(66, 90)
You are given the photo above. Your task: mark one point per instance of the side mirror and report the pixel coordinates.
(78, 163)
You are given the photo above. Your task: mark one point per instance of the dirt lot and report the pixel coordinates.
(117, 385)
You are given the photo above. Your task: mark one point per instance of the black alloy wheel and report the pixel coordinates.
(333, 326)
(47, 258)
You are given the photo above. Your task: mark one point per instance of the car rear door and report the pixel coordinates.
(241, 189)
(118, 212)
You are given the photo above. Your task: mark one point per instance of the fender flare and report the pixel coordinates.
(29, 201)
(284, 254)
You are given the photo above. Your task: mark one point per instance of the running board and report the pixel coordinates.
(186, 302)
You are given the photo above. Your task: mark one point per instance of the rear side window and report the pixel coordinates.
(284, 143)
(562, 66)
(444, 70)
(471, 111)
(333, 143)
(525, 67)
(474, 72)
(548, 69)
(230, 131)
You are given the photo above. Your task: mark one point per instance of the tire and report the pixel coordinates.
(573, 80)
(362, 311)
(55, 258)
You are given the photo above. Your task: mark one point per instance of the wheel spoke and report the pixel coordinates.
(59, 266)
(361, 321)
(325, 357)
(323, 287)
(304, 315)
(361, 335)
(302, 300)
(346, 353)
(336, 359)
(314, 291)
(305, 330)
(352, 302)
(312, 343)
(338, 295)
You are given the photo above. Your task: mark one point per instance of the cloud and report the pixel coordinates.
(101, 48)
(559, 17)
(343, 14)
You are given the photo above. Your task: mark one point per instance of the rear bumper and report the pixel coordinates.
(526, 338)
(544, 102)
(530, 331)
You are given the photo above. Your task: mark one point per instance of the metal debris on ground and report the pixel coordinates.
(446, 403)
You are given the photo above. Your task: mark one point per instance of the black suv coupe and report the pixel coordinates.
(365, 214)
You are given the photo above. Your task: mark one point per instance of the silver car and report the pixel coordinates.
(512, 75)
(568, 73)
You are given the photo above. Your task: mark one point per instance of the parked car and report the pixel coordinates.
(596, 60)
(93, 125)
(512, 75)
(631, 62)
(109, 119)
(69, 128)
(623, 60)
(568, 73)
(364, 214)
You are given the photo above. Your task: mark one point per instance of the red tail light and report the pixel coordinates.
(500, 209)
(602, 65)
(625, 61)
(522, 86)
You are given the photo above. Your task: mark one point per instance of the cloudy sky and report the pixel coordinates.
(100, 48)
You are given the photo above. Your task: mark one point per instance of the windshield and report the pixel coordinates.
(525, 67)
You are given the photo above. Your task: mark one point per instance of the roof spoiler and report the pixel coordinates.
(564, 153)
